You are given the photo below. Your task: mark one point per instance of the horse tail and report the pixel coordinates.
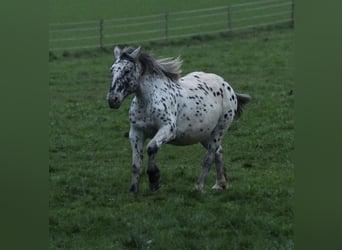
(242, 100)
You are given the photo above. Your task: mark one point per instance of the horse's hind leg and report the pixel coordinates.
(207, 162)
(221, 179)
(214, 154)
(213, 145)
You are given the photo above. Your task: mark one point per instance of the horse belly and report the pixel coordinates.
(189, 138)
(192, 128)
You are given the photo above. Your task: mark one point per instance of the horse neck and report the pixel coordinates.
(149, 86)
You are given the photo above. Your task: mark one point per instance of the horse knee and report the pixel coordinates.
(152, 148)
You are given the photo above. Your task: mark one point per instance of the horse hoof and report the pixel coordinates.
(155, 186)
(220, 186)
(198, 188)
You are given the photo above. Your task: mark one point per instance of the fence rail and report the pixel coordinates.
(169, 25)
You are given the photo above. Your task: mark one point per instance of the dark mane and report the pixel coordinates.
(168, 67)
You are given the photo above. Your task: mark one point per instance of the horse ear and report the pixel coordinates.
(135, 53)
(117, 52)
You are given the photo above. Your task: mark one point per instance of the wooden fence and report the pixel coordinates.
(170, 25)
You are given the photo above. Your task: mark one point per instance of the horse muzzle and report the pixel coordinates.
(114, 102)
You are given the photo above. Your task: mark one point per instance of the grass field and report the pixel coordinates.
(90, 161)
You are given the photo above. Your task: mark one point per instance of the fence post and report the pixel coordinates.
(292, 14)
(101, 33)
(166, 26)
(229, 19)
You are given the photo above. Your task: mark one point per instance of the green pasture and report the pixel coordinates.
(90, 156)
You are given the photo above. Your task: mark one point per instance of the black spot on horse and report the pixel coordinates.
(230, 112)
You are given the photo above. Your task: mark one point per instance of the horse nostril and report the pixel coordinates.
(114, 102)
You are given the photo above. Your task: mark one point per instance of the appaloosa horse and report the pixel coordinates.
(198, 107)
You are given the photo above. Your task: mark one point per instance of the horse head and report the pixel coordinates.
(126, 72)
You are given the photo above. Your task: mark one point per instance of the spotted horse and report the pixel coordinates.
(196, 108)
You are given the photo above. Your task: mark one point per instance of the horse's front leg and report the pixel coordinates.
(164, 135)
(137, 139)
